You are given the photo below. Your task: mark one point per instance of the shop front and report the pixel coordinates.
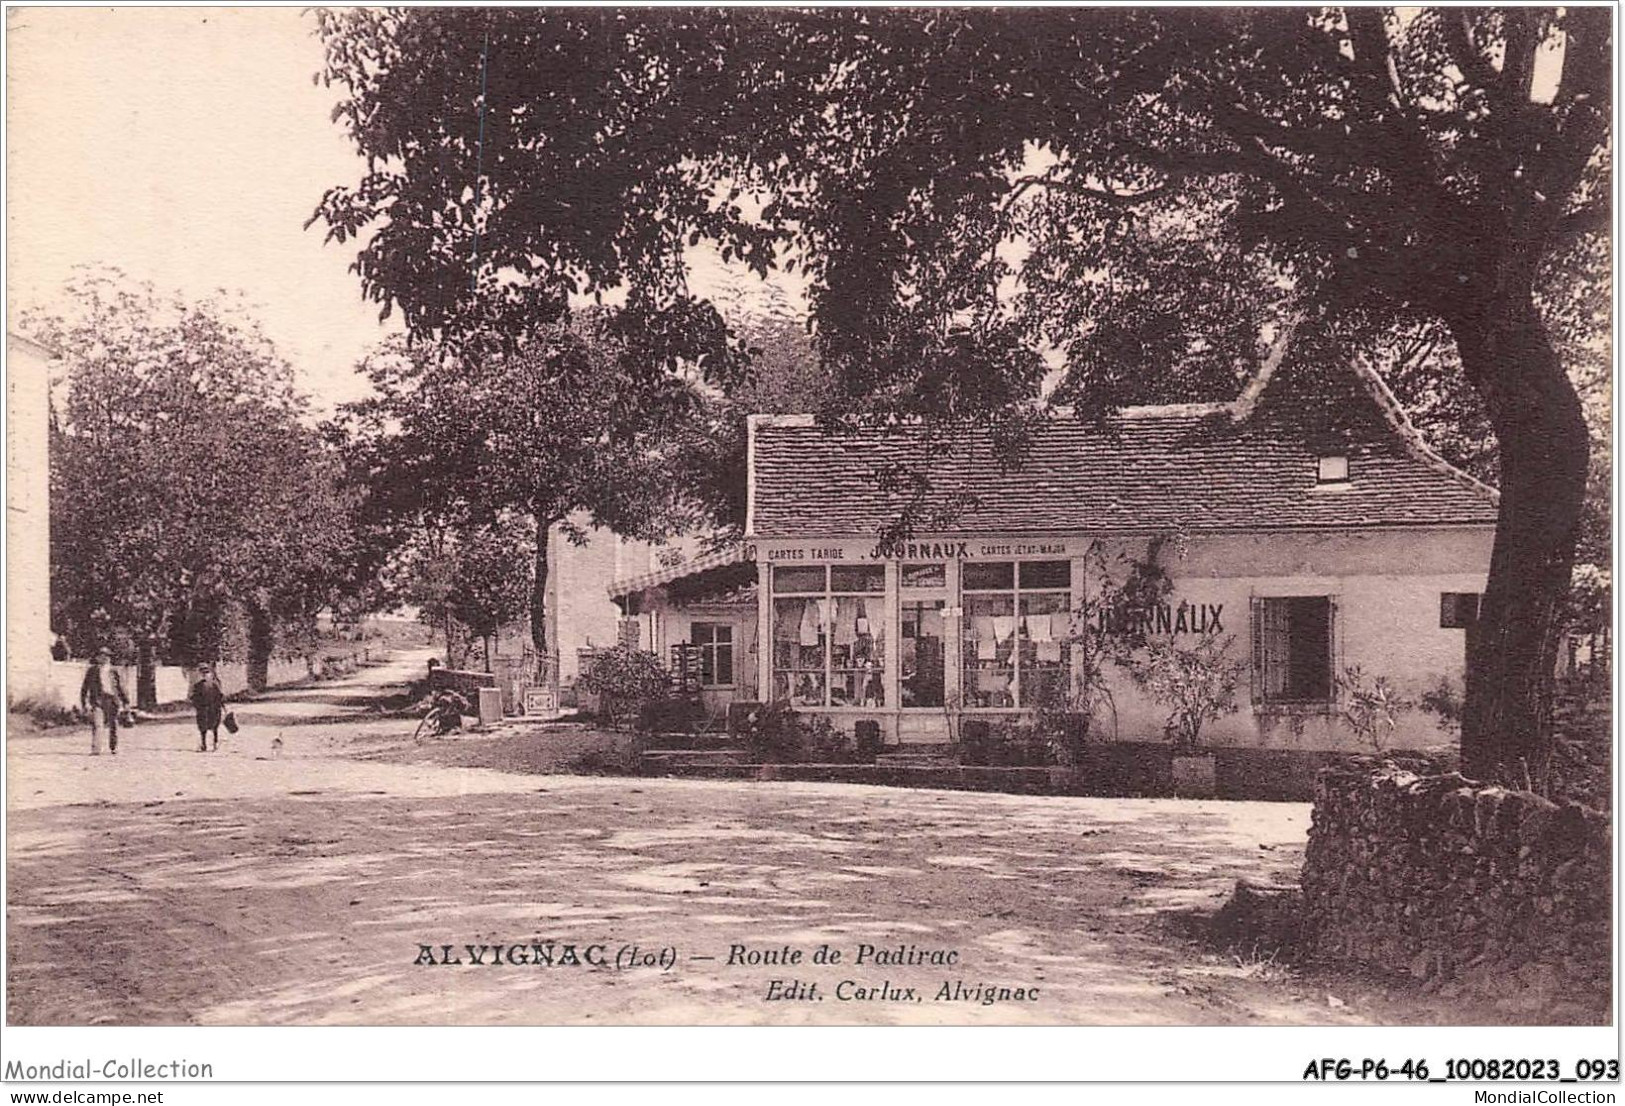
(1308, 556)
(917, 632)
(927, 634)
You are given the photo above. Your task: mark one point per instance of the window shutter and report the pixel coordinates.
(1334, 652)
(1256, 672)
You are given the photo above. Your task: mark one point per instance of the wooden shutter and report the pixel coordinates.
(1257, 670)
(1271, 648)
(1334, 651)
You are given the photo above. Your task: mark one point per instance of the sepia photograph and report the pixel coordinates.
(811, 516)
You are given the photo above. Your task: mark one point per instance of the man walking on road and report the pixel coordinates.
(102, 696)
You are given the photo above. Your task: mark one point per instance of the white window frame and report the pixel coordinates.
(710, 649)
(1016, 591)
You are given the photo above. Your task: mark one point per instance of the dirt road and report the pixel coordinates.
(165, 886)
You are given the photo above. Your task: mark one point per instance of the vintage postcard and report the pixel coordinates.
(837, 516)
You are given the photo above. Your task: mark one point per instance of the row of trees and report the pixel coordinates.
(1150, 194)
(199, 511)
(189, 492)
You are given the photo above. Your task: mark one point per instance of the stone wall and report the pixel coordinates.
(464, 682)
(1478, 891)
(61, 688)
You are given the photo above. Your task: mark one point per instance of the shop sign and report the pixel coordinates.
(803, 553)
(919, 551)
(962, 550)
(541, 700)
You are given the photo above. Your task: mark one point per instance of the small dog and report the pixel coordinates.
(276, 745)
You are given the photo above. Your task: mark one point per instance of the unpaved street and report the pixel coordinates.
(165, 886)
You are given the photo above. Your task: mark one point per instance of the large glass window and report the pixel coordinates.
(829, 636)
(716, 644)
(1013, 635)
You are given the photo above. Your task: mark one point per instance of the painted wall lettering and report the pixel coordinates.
(1187, 618)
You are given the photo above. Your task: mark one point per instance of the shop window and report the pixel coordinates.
(799, 580)
(829, 636)
(1292, 649)
(988, 576)
(1333, 470)
(716, 644)
(1458, 609)
(858, 578)
(1013, 636)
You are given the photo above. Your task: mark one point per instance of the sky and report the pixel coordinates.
(187, 147)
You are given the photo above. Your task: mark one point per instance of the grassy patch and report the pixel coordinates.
(43, 715)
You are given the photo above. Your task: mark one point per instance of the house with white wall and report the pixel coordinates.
(918, 577)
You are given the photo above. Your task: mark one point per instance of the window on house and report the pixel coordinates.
(1013, 633)
(716, 644)
(1458, 609)
(1334, 469)
(829, 636)
(1292, 649)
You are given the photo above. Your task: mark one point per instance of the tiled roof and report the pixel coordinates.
(1193, 468)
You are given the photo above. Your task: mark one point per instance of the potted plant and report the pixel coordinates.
(1197, 684)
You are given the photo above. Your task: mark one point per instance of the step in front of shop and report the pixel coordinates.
(919, 756)
(695, 758)
(1121, 770)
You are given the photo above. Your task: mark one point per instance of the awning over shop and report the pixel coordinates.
(721, 558)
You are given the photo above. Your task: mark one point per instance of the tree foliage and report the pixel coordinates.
(475, 442)
(1146, 197)
(476, 576)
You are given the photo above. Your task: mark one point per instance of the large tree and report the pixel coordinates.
(182, 477)
(460, 443)
(1144, 196)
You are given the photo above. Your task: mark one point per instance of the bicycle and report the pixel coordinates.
(444, 716)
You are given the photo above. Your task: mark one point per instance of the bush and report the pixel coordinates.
(822, 742)
(777, 734)
(623, 679)
(1444, 702)
(45, 715)
(669, 715)
(1372, 708)
(601, 762)
(1197, 683)
(1008, 745)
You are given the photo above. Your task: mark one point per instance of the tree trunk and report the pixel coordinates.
(1544, 450)
(538, 605)
(261, 636)
(146, 672)
(487, 638)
